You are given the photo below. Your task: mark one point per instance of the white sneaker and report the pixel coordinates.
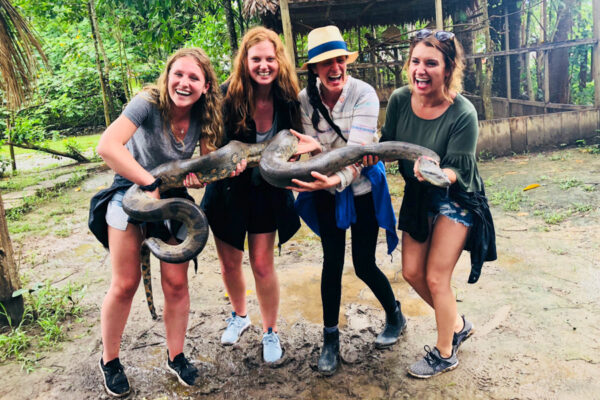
(271, 346)
(236, 325)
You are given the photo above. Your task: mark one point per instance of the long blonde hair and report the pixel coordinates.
(453, 59)
(239, 100)
(207, 108)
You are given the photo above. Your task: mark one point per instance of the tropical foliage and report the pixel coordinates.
(134, 37)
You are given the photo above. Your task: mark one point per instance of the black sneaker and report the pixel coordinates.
(115, 381)
(466, 332)
(185, 371)
(433, 364)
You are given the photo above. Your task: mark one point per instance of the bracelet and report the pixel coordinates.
(152, 187)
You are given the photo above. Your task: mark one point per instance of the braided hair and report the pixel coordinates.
(314, 98)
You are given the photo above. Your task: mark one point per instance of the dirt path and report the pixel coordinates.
(536, 309)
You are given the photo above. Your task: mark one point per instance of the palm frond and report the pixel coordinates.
(18, 61)
(260, 7)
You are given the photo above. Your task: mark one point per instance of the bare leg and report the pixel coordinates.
(414, 259)
(267, 285)
(174, 282)
(233, 277)
(447, 243)
(125, 263)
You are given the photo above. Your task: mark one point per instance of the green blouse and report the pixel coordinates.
(453, 136)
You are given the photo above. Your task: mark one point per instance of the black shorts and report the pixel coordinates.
(261, 216)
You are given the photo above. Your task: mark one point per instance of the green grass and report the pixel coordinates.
(556, 216)
(30, 202)
(63, 232)
(85, 143)
(588, 188)
(19, 182)
(17, 226)
(48, 310)
(509, 200)
(568, 183)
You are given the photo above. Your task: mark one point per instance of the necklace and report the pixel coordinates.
(178, 133)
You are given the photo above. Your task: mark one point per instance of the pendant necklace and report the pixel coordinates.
(178, 136)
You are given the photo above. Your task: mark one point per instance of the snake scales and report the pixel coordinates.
(272, 158)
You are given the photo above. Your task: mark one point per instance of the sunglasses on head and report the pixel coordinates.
(442, 36)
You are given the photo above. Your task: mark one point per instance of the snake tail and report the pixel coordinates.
(147, 278)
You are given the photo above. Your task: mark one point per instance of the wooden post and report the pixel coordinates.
(9, 276)
(287, 29)
(507, 58)
(295, 47)
(596, 52)
(546, 55)
(439, 16)
(374, 57)
(397, 70)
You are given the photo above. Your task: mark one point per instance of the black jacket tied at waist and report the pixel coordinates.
(481, 242)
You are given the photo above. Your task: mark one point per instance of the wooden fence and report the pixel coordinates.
(500, 137)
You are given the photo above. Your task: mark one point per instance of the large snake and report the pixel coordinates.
(209, 168)
(214, 166)
(273, 159)
(278, 171)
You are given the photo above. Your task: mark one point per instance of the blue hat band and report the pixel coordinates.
(325, 47)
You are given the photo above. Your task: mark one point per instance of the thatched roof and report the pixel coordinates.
(308, 14)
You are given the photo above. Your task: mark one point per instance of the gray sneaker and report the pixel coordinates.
(466, 332)
(433, 364)
(271, 346)
(236, 325)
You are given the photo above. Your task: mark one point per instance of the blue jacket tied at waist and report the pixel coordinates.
(345, 213)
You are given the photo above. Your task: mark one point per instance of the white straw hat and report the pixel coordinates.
(325, 43)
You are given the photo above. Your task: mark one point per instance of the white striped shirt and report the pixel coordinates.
(356, 114)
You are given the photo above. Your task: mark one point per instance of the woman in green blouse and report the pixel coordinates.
(436, 222)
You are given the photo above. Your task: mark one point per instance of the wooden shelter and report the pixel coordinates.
(383, 56)
(309, 14)
(292, 17)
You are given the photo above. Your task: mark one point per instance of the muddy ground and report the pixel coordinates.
(536, 309)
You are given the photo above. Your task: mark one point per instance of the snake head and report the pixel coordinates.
(432, 173)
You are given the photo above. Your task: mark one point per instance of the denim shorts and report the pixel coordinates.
(118, 218)
(441, 204)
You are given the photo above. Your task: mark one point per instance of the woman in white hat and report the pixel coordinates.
(338, 110)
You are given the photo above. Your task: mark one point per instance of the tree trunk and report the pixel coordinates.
(514, 41)
(494, 11)
(583, 68)
(539, 71)
(485, 78)
(103, 80)
(122, 59)
(230, 26)
(11, 310)
(524, 43)
(464, 34)
(241, 18)
(105, 62)
(73, 155)
(559, 58)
